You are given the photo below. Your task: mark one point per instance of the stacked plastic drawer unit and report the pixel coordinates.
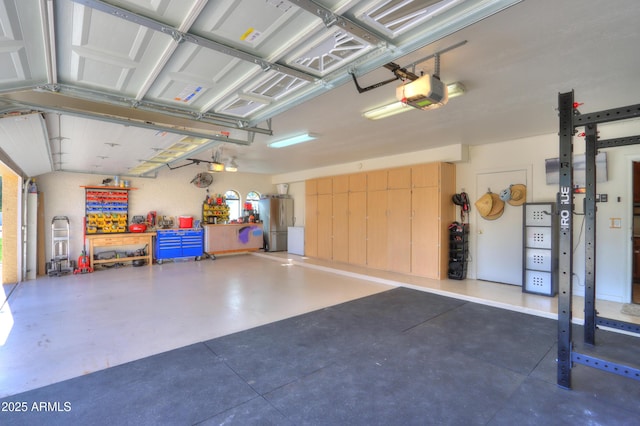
(106, 210)
(540, 251)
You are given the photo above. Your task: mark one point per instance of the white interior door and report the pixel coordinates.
(499, 241)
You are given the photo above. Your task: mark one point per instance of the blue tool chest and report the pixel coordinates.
(175, 243)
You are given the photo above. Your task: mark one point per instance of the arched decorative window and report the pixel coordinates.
(233, 201)
(252, 202)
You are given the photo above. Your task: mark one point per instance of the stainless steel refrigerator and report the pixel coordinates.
(276, 214)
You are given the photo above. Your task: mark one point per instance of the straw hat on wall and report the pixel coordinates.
(490, 206)
(518, 194)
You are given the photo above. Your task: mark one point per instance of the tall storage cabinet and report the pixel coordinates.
(540, 251)
(392, 219)
(340, 230)
(325, 218)
(357, 219)
(433, 185)
(318, 241)
(311, 218)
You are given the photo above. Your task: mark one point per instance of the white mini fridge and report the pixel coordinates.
(295, 240)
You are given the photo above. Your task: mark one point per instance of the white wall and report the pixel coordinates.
(614, 246)
(171, 194)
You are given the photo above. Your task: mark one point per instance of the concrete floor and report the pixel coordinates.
(65, 327)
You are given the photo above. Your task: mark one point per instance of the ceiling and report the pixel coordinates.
(132, 87)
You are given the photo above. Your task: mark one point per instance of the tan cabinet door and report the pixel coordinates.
(425, 248)
(358, 228)
(340, 184)
(425, 175)
(377, 229)
(399, 230)
(399, 178)
(311, 187)
(358, 182)
(311, 226)
(377, 180)
(325, 186)
(340, 230)
(325, 226)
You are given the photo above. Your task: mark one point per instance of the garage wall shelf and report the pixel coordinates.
(106, 209)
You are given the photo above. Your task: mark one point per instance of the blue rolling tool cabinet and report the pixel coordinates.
(179, 243)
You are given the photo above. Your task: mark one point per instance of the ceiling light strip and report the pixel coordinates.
(294, 140)
(180, 36)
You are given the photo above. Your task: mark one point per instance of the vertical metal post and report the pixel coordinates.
(590, 235)
(565, 243)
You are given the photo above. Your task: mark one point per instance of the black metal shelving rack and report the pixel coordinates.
(570, 119)
(458, 250)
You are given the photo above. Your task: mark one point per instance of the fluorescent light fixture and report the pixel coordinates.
(454, 90)
(216, 167)
(293, 140)
(387, 110)
(231, 166)
(164, 155)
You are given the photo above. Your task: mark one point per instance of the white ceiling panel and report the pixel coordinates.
(198, 77)
(102, 147)
(22, 52)
(328, 52)
(93, 55)
(396, 17)
(24, 139)
(128, 85)
(174, 13)
(264, 28)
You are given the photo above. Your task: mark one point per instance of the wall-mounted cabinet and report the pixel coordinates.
(393, 219)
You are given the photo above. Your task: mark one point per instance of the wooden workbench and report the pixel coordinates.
(125, 239)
